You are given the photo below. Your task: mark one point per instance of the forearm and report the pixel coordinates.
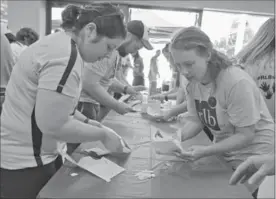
(190, 130)
(117, 86)
(98, 93)
(235, 142)
(75, 131)
(178, 109)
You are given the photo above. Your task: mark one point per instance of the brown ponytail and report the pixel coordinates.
(108, 19)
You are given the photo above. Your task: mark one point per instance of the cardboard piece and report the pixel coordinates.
(102, 168)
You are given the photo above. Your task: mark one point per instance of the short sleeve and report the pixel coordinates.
(95, 71)
(51, 75)
(243, 106)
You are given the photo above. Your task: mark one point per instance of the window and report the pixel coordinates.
(162, 23)
(229, 32)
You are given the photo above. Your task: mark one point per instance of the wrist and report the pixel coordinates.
(86, 121)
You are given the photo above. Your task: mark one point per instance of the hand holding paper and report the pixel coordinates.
(115, 143)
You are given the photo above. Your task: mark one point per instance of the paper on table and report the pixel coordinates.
(124, 98)
(165, 144)
(102, 168)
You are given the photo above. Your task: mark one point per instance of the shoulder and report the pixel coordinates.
(56, 47)
(231, 76)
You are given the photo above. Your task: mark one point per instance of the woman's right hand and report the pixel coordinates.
(123, 108)
(112, 141)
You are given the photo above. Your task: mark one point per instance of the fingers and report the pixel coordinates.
(241, 171)
(259, 175)
(183, 157)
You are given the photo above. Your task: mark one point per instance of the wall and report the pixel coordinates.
(27, 13)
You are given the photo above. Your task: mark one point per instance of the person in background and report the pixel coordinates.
(258, 59)
(126, 65)
(39, 112)
(27, 36)
(107, 74)
(138, 38)
(16, 46)
(153, 73)
(222, 97)
(138, 70)
(7, 63)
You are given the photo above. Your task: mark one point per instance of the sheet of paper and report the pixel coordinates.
(102, 168)
(124, 98)
(164, 143)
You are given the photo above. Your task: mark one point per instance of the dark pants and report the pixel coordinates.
(27, 183)
(91, 111)
(138, 81)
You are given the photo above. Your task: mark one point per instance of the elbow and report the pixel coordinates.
(47, 125)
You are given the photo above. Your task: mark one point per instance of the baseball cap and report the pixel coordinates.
(139, 29)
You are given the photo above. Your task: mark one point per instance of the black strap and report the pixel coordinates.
(37, 140)
(69, 67)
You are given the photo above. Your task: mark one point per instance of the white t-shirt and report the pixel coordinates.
(236, 102)
(263, 72)
(7, 61)
(102, 71)
(41, 66)
(17, 49)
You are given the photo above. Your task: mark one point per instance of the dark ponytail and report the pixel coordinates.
(108, 19)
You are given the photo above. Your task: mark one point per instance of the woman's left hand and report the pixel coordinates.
(193, 153)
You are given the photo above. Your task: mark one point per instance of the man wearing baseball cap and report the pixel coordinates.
(106, 74)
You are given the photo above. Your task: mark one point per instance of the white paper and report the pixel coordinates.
(102, 168)
(165, 144)
(124, 98)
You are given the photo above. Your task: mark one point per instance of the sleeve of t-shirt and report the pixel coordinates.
(51, 75)
(96, 71)
(243, 105)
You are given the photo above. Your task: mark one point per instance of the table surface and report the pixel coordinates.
(205, 178)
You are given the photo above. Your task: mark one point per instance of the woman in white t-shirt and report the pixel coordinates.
(43, 92)
(16, 46)
(222, 97)
(258, 59)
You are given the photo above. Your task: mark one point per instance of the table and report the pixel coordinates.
(206, 178)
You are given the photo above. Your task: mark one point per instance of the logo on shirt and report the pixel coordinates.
(206, 111)
(268, 91)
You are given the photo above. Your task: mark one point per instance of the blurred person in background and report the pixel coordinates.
(153, 73)
(7, 63)
(258, 59)
(138, 70)
(27, 36)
